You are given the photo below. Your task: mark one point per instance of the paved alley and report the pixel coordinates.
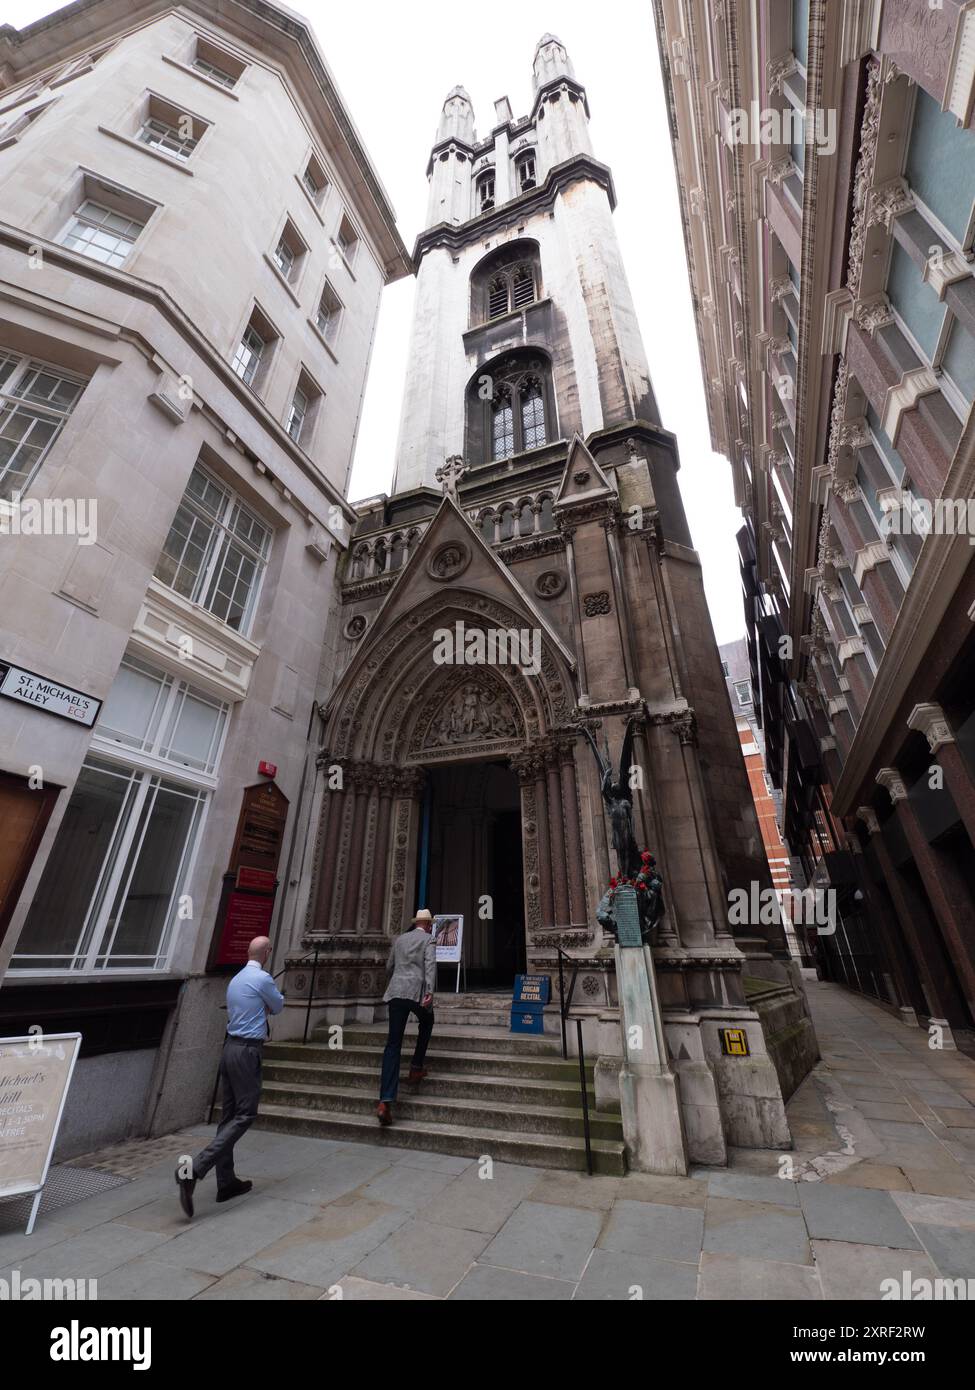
(880, 1186)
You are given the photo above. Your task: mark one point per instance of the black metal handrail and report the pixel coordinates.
(565, 1004)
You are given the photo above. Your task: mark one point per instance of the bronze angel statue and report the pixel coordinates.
(619, 801)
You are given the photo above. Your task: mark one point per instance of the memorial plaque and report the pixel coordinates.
(627, 915)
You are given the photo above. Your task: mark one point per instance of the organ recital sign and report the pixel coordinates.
(250, 883)
(35, 1073)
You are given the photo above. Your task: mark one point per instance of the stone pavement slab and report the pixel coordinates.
(735, 1277)
(364, 1290)
(493, 1284)
(330, 1245)
(542, 1238)
(230, 1237)
(654, 1229)
(402, 1186)
(476, 1203)
(779, 1191)
(757, 1230)
(150, 1280)
(250, 1284)
(90, 1254)
(424, 1256)
(849, 1270)
(855, 1215)
(625, 1277)
(953, 1251)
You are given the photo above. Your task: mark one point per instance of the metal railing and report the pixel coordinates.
(565, 1004)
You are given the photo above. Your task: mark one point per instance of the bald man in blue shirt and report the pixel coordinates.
(251, 996)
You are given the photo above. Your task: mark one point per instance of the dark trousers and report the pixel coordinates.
(240, 1075)
(399, 1012)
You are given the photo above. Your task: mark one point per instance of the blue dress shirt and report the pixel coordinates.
(249, 994)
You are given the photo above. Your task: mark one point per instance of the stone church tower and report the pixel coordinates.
(536, 494)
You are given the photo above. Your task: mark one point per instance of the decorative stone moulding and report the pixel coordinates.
(869, 817)
(929, 720)
(356, 627)
(595, 604)
(892, 782)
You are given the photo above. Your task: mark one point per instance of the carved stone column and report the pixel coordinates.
(333, 814)
(386, 783)
(530, 769)
(578, 914)
(556, 835)
(406, 817)
(361, 793)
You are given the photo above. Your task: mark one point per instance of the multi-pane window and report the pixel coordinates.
(485, 192)
(35, 402)
(178, 141)
(517, 411)
(329, 314)
(250, 351)
(522, 287)
(109, 894)
(502, 424)
(743, 692)
(102, 234)
(216, 551)
(315, 181)
(347, 240)
(532, 413)
(284, 258)
(212, 62)
(214, 73)
(297, 413)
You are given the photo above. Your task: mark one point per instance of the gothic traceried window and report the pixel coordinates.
(526, 173)
(507, 280)
(485, 192)
(519, 413)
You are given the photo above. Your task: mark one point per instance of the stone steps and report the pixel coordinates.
(415, 1103)
(487, 1093)
(537, 1150)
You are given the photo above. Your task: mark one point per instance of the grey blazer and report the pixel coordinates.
(412, 966)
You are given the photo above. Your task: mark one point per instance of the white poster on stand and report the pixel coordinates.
(35, 1074)
(448, 936)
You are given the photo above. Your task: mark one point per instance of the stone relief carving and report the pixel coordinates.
(471, 714)
(595, 604)
(449, 561)
(549, 584)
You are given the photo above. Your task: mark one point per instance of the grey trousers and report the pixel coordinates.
(240, 1073)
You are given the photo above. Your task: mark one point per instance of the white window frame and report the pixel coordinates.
(166, 137)
(221, 536)
(78, 218)
(146, 771)
(750, 700)
(252, 367)
(10, 404)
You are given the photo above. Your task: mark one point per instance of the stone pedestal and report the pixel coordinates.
(649, 1091)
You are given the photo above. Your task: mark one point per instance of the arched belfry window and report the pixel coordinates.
(485, 191)
(507, 280)
(510, 407)
(525, 170)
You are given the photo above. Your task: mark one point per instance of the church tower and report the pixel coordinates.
(536, 495)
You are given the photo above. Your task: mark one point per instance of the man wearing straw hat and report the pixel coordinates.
(412, 970)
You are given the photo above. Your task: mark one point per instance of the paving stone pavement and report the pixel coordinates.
(881, 1183)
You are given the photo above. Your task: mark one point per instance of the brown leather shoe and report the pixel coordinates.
(384, 1113)
(416, 1075)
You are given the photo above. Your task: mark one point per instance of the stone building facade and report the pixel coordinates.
(826, 161)
(193, 244)
(536, 496)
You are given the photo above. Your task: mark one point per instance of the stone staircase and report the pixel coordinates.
(487, 1092)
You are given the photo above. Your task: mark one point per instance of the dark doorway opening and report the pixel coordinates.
(471, 842)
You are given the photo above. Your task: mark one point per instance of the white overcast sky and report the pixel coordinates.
(394, 64)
